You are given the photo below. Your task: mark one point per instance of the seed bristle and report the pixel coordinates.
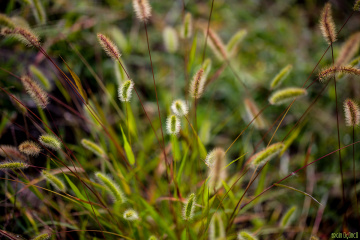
(327, 24)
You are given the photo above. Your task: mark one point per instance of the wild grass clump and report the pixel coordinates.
(220, 139)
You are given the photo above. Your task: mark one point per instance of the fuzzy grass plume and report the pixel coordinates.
(216, 161)
(43, 236)
(50, 141)
(11, 152)
(93, 147)
(327, 24)
(26, 36)
(125, 91)
(234, 42)
(56, 182)
(179, 108)
(39, 96)
(197, 84)
(281, 76)
(109, 47)
(285, 95)
(266, 155)
(352, 113)
(186, 27)
(329, 72)
(142, 9)
(112, 188)
(189, 207)
(173, 125)
(131, 215)
(245, 235)
(171, 40)
(30, 148)
(13, 165)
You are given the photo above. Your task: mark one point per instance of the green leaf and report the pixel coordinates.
(79, 195)
(128, 150)
(192, 53)
(159, 220)
(183, 161)
(77, 82)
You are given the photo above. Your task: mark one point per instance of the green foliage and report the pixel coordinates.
(143, 123)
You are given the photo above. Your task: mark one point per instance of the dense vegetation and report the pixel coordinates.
(179, 119)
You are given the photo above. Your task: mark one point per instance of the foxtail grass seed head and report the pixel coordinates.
(253, 111)
(197, 84)
(285, 95)
(125, 91)
(267, 154)
(56, 182)
(112, 188)
(11, 152)
(288, 217)
(91, 146)
(13, 165)
(214, 156)
(186, 27)
(50, 141)
(245, 235)
(281, 76)
(179, 108)
(329, 72)
(44, 236)
(327, 24)
(352, 113)
(216, 228)
(348, 50)
(152, 237)
(131, 215)
(189, 207)
(30, 148)
(216, 45)
(234, 42)
(6, 22)
(171, 40)
(28, 37)
(356, 5)
(216, 161)
(173, 125)
(35, 91)
(142, 9)
(109, 47)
